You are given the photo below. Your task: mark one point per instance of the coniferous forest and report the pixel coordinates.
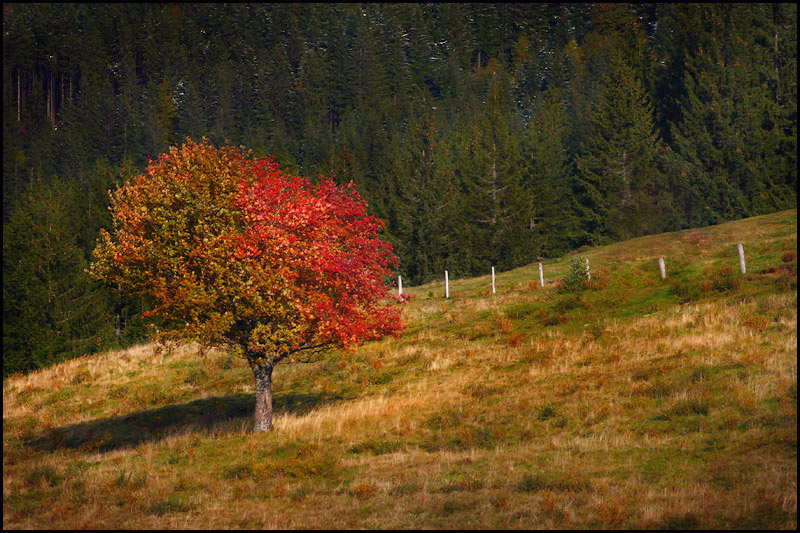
(481, 134)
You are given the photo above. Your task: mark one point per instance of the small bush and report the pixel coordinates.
(129, 479)
(577, 278)
(721, 278)
(238, 472)
(685, 291)
(299, 494)
(45, 472)
(568, 303)
(537, 482)
(169, 506)
(504, 325)
(195, 377)
(364, 491)
(546, 412)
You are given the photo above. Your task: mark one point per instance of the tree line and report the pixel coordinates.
(482, 134)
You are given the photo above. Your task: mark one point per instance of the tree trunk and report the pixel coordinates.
(263, 414)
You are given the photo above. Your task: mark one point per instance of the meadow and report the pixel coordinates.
(635, 402)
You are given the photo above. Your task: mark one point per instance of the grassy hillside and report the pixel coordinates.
(635, 403)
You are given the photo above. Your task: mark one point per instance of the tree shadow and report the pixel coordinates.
(151, 425)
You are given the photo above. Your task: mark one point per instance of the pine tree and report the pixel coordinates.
(732, 134)
(620, 177)
(51, 310)
(549, 177)
(427, 200)
(491, 170)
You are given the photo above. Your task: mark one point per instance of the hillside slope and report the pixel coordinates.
(635, 403)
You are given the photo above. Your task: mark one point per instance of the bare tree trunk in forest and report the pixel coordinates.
(263, 412)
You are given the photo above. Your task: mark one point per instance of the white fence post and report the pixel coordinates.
(493, 290)
(741, 258)
(446, 285)
(399, 285)
(662, 267)
(541, 276)
(588, 274)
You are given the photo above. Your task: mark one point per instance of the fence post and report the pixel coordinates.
(493, 290)
(399, 285)
(741, 258)
(541, 276)
(446, 285)
(662, 268)
(588, 274)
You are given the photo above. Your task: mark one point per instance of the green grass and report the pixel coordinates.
(634, 403)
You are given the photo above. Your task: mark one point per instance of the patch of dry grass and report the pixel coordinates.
(631, 411)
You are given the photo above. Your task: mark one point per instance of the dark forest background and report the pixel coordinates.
(482, 134)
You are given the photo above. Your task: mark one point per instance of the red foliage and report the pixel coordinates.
(322, 242)
(234, 252)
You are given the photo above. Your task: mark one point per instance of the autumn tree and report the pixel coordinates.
(234, 253)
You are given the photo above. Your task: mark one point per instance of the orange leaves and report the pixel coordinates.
(290, 264)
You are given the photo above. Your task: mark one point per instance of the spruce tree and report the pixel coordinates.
(490, 170)
(620, 178)
(51, 310)
(549, 177)
(732, 135)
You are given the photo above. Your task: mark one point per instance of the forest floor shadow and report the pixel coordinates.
(150, 425)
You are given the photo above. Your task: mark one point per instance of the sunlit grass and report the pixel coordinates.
(637, 403)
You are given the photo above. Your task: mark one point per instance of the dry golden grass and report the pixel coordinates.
(630, 411)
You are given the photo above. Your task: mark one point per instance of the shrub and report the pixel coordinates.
(686, 292)
(721, 278)
(577, 278)
(540, 481)
(503, 325)
(170, 505)
(364, 491)
(568, 303)
(546, 412)
(45, 472)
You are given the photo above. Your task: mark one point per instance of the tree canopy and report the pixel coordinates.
(234, 253)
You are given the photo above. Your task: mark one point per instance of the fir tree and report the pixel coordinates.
(620, 175)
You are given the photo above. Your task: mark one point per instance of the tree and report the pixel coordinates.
(739, 149)
(620, 174)
(549, 177)
(51, 310)
(235, 254)
(490, 165)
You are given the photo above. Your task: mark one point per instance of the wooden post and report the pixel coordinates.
(588, 274)
(541, 276)
(399, 285)
(446, 285)
(741, 258)
(493, 289)
(662, 268)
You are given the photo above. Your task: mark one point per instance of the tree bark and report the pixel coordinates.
(263, 413)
